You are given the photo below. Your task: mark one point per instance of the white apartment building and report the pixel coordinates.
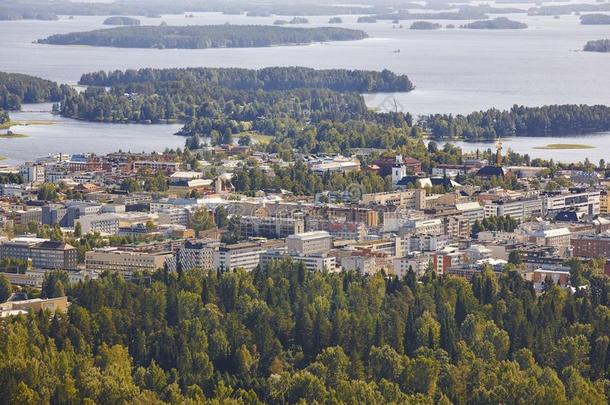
(471, 211)
(308, 243)
(365, 265)
(125, 262)
(418, 263)
(103, 223)
(410, 199)
(32, 172)
(238, 256)
(196, 255)
(558, 238)
(423, 226)
(519, 210)
(313, 262)
(586, 202)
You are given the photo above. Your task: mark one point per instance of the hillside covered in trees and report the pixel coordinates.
(569, 119)
(204, 36)
(16, 88)
(285, 335)
(600, 45)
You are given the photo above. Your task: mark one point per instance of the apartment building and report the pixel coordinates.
(519, 210)
(312, 262)
(408, 199)
(124, 262)
(309, 242)
(582, 201)
(106, 224)
(156, 165)
(244, 255)
(196, 255)
(270, 227)
(42, 253)
(558, 238)
(25, 217)
(591, 246)
(32, 173)
(13, 308)
(417, 262)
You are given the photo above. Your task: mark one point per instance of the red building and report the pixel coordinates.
(386, 163)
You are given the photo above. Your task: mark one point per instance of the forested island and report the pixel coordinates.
(286, 335)
(500, 23)
(128, 21)
(335, 20)
(424, 25)
(600, 45)
(299, 20)
(205, 36)
(17, 88)
(552, 120)
(461, 14)
(219, 103)
(565, 9)
(595, 19)
(367, 19)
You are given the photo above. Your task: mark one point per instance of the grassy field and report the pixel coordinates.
(12, 136)
(9, 124)
(256, 137)
(558, 146)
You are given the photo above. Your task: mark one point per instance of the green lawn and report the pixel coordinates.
(557, 146)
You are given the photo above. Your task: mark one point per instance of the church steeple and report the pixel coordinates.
(499, 153)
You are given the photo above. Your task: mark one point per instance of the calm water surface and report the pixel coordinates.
(72, 136)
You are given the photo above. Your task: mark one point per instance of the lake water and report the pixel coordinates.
(455, 71)
(70, 136)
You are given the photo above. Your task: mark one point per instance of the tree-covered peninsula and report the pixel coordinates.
(17, 88)
(206, 36)
(120, 20)
(221, 102)
(600, 45)
(500, 23)
(595, 19)
(551, 120)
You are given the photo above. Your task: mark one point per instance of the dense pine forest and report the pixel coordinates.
(203, 36)
(286, 335)
(16, 88)
(569, 119)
